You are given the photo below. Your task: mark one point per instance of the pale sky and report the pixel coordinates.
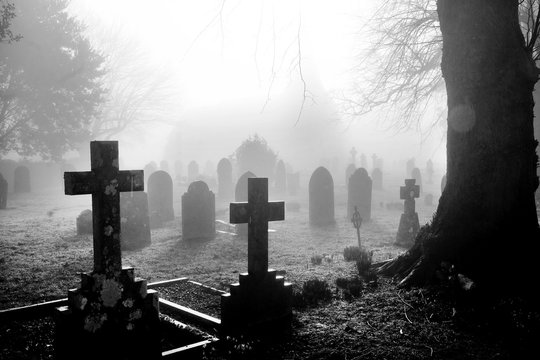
(241, 58)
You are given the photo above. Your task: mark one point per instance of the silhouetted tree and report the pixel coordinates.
(488, 204)
(256, 156)
(50, 85)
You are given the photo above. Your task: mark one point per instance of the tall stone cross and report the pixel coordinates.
(408, 193)
(105, 182)
(257, 212)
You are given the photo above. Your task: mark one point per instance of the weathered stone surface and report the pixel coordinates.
(225, 183)
(321, 198)
(3, 192)
(21, 180)
(160, 197)
(149, 169)
(408, 223)
(112, 312)
(198, 212)
(359, 195)
(260, 300)
(377, 177)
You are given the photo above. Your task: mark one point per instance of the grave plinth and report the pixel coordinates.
(112, 314)
(261, 300)
(408, 223)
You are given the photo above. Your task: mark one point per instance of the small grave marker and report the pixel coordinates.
(408, 223)
(321, 198)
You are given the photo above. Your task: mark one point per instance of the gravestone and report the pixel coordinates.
(293, 183)
(3, 192)
(417, 175)
(192, 172)
(84, 222)
(164, 165)
(225, 185)
(112, 315)
(135, 220)
(198, 212)
(408, 223)
(321, 198)
(428, 200)
(160, 197)
(348, 172)
(429, 171)
(377, 177)
(281, 178)
(260, 301)
(240, 195)
(409, 167)
(443, 183)
(21, 180)
(359, 195)
(149, 169)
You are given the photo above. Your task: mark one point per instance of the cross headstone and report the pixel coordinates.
(408, 223)
(112, 312)
(257, 212)
(21, 180)
(260, 301)
(357, 222)
(3, 192)
(105, 182)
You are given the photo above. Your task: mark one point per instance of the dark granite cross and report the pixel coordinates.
(408, 193)
(105, 182)
(257, 212)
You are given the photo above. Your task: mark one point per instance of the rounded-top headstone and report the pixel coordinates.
(21, 181)
(198, 187)
(241, 190)
(160, 196)
(360, 193)
(198, 212)
(321, 197)
(225, 185)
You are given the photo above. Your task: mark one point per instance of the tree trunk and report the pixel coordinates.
(486, 222)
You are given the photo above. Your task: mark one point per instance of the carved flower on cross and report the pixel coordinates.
(111, 188)
(111, 292)
(108, 230)
(93, 322)
(128, 303)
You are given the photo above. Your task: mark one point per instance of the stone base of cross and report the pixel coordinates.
(261, 301)
(408, 223)
(112, 315)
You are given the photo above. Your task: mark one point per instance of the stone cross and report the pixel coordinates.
(257, 212)
(105, 182)
(357, 222)
(408, 193)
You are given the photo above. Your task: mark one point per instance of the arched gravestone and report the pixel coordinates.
(21, 180)
(198, 212)
(160, 196)
(192, 171)
(377, 177)
(443, 183)
(135, 220)
(321, 197)
(417, 175)
(348, 172)
(241, 195)
(360, 190)
(281, 178)
(225, 185)
(3, 192)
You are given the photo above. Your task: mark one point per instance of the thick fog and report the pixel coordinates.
(213, 73)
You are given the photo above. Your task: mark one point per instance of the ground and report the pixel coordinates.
(40, 256)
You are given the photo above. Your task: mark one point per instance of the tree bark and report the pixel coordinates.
(486, 221)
